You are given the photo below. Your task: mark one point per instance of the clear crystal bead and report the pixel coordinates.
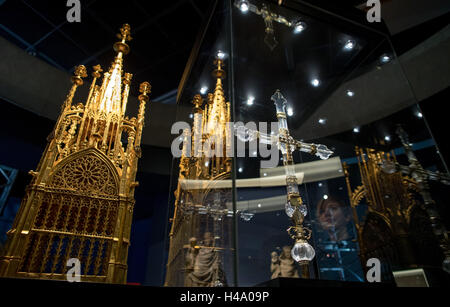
(302, 252)
(323, 152)
(303, 209)
(292, 189)
(289, 209)
(246, 216)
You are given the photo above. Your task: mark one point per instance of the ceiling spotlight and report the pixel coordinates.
(387, 138)
(349, 45)
(203, 90)
(265, 174)
(350, 93)
(356, 130)
(250, 100)
(322, 121)
(259, 205)
(419, 114)
(220, 54)
(299, 27)
(240, 170)
(290, 111)
(244, 6)
(315, 82)
(325, 196)
(385, 58)
(320, 184)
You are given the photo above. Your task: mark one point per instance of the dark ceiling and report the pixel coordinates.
(163, 34)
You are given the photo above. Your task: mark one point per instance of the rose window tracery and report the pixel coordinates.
(86, 174)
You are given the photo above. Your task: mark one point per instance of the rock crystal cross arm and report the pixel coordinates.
(283, 140)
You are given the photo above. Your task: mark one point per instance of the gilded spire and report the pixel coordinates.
(111, 89)
(97, 73)
(197, 102)
(105, 107)
(124, 35)
(84, 166)
(217, 109)
(144, 89)
(219, 73)
(80, 72)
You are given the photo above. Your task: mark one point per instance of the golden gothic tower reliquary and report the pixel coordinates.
(80, 201)
(201, 225)
(395, 229)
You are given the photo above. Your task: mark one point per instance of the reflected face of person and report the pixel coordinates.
(332, 215)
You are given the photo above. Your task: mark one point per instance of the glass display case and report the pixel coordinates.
(327, 162)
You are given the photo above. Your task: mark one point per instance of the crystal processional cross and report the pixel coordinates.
(422, 176)
(302, 251)
(269, 17)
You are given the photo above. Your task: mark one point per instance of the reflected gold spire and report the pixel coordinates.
(204, 158)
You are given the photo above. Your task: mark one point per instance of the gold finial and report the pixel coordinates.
(97, 71)
(197, 101)
(210, 98)
(144, 88)
(219, 73)
(125, 36)
(79, 73)
(127, 78)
